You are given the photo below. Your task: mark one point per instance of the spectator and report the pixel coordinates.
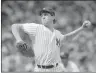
(69, 65)
(29, 67)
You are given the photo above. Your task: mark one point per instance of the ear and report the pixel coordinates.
(54, 21)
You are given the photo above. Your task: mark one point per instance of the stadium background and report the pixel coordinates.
(70, 16)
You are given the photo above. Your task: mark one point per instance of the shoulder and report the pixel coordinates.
(25, 24)
(30, 24)
(57, 31)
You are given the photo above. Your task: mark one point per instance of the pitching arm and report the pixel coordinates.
(71, 35)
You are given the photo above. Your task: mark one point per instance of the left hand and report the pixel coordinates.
(24, 49)
(86, 24)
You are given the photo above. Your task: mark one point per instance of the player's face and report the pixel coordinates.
(46, 18)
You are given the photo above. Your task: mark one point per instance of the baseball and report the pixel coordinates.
(86, 23)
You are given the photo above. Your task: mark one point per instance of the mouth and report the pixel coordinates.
(43, 18)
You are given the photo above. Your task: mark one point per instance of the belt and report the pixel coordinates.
(47, 67)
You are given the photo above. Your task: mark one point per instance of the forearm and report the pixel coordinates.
(15, 31)
(71, 35)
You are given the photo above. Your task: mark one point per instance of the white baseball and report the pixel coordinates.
(87, 23)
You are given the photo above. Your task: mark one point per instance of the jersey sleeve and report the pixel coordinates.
(30, 28)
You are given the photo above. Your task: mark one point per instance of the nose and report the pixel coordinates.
(43, 17)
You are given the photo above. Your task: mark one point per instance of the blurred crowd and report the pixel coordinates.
(69, 16)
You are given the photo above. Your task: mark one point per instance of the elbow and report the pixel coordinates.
(13, 25)
(14, 28)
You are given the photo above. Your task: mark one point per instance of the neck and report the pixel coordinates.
(50, 26)
(65, 64)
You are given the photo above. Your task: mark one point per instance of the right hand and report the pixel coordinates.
(87, 24)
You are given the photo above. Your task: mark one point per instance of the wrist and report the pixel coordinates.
(17, 41)
(81, 29)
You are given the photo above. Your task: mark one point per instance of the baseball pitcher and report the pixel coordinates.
(47, 41)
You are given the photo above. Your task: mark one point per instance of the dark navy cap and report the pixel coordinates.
(47, 10)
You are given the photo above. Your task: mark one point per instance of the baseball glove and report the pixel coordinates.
(25, 49)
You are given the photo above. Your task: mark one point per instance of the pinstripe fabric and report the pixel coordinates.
(46, 47)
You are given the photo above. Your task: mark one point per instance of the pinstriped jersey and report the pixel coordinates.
(47, 43)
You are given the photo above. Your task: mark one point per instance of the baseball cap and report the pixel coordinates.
(47, 10)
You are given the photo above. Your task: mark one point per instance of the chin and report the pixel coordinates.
(45, 23)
